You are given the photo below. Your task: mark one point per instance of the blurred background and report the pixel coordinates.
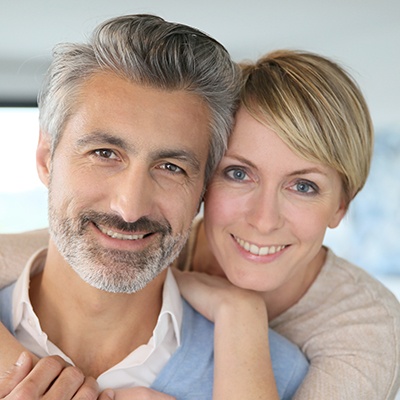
(362, 35)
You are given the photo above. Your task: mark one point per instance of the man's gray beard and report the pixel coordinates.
(111, 270)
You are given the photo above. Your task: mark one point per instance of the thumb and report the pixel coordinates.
(15, 374)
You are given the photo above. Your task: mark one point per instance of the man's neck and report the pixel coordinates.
(94, 328)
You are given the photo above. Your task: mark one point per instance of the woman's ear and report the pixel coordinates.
(339, 214)
(43, 157)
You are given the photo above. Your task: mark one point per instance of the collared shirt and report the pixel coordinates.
(139, 368)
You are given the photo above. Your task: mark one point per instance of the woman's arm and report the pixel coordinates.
(10, 350)
(243, 368)
(15, 251)
(27, 377)
(51, 376)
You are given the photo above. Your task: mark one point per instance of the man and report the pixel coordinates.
(132, 125)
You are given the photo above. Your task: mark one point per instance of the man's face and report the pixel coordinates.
(125, 180)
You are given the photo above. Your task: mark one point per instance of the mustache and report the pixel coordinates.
(115, 221)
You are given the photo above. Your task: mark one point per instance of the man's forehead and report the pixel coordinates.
(115, 96)
(112, 85)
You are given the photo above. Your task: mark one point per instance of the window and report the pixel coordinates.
(23, 197)
(369, 234)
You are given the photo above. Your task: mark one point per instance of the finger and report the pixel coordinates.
(193, 278)
(195, 286)
(89, 390)
(67, 384)
(12, 377)
(40, 378)
(186, 280)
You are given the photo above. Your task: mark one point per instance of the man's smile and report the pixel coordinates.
(117, 235)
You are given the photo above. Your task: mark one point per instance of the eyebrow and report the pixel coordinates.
(241, 159)
(304, 171)
(102, 138)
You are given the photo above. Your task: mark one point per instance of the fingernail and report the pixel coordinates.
(21, 359)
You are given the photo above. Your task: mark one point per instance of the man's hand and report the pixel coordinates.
(50, 379)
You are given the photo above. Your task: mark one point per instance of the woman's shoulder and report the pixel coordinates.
(342, 290)
(348, 325)
(347, 282)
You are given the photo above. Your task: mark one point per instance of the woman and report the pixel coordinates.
(299, 154)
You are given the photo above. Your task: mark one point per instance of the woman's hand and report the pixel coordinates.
(54, 379)
(212, 295)
(51, 378)
(242, 363)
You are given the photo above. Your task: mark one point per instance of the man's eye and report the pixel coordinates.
(105, 153)
(236, 174)
(172, 168)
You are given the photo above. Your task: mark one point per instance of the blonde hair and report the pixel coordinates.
(316, 108)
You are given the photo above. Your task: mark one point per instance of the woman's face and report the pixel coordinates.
(267, 209)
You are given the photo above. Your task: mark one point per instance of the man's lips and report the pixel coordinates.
(118, 235)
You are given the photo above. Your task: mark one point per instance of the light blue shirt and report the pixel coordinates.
(188, 375)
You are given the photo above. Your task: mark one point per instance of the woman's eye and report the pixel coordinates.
(105, 153)
(236, 174)
(306, 187)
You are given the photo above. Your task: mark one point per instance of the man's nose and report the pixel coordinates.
(133, 193)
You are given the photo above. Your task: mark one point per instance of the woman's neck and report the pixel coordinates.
(287, 295)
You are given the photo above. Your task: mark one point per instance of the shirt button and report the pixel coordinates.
(31, 322)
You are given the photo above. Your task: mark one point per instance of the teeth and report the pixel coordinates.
(259, 251)
(116, 235)
(254, 249)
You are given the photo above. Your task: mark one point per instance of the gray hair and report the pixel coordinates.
(147, 50)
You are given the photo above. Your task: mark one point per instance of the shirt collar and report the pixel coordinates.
(21, 291)
(170, 314)
(172, 307)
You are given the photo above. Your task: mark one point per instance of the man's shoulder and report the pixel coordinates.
(289, 364)
(192, 319)
(189, 373)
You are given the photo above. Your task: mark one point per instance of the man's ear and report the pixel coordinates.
(43, 157)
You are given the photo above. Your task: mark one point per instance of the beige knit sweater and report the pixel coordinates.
(347, 324)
